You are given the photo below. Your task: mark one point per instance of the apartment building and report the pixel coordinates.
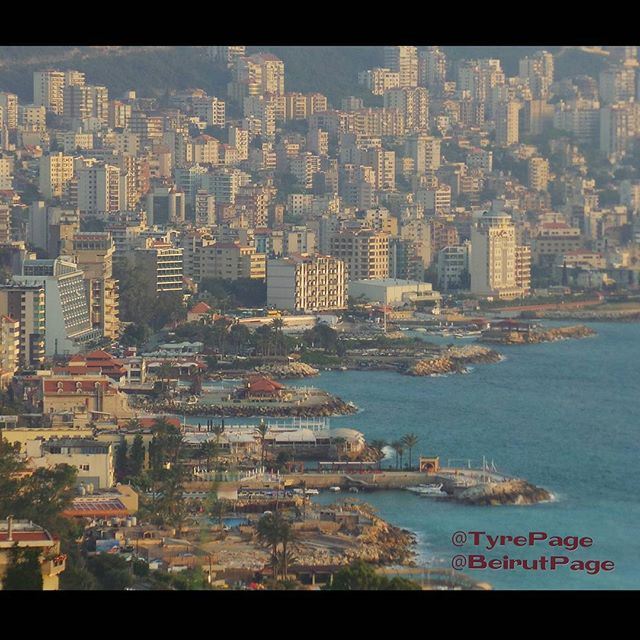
(307, 283)
(365, 253)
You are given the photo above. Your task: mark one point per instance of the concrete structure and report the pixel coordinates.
(56, 170)
(94, 255)
(9, 348)
(307, 283)
(538, 173)
(24, 534)
(364, 251)
(231, 260)
(453, 267)
(26, 303)
(394, 293)
(95, 394)
(68, 319)
(165, 206)
(93, 459)
(493, 257)
(164, 262)
(99, 189)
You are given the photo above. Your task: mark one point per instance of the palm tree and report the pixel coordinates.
(218, 430)
(261, 430)
(277, 325)
(410, 441)
(378, 446)
(208, 450)
(399, 449)
(270, 529)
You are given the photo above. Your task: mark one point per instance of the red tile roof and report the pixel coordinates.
(201, 307)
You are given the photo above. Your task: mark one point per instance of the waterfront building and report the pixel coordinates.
(453, 267)
(493, 257)
(307, 283)
(395, 292)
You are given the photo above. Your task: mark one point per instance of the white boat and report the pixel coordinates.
(354, 490)
(428, 490)
(312, 492)
(334, 489)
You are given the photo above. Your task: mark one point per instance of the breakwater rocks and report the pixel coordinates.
(509, 492)
(454, 360)
(536, 336)
(622, 315)
(288, 370)
(331, 407)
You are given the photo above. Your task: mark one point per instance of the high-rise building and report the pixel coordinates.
(165, 206)
(538, 173)
(26, 304)
(165, 264)
(493, 257)
(68, 319)
(307, 283)
(424, 151)
(412, 103)
(9, 107)
(56, 170)
(618, 127)
(48, 90)
(94, 255)
(379, 80)
(99, 189)
(403, 60)
(231, 261)
(432, 69)
(364, 251)
(506, 117)
(453, 266)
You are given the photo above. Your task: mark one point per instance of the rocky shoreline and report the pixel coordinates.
(332, 407)
(517, 492)
(291, 370)
(454, 360)
(590, 316)
(537, 336)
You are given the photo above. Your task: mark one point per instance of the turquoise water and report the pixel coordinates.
(562, 415)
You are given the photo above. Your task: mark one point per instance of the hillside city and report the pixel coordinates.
(173, 265)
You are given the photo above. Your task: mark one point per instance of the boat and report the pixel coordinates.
(334, 489)
(354, 490)
(312, 492)
(428, 490)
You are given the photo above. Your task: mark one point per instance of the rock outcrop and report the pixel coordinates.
(536, 336)
(289, 370)
(509, 492)
(454, 360)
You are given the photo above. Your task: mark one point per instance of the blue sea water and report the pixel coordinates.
(563, 415)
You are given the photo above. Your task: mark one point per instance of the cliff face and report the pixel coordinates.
(510, 492)
(290, 370)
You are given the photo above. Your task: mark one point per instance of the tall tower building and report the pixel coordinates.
(403, 60)
(94, 255)
(506, 117)
(493, 257)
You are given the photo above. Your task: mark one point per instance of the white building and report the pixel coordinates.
(394, 292)
(307, 283)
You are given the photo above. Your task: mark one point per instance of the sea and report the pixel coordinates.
(563, 415)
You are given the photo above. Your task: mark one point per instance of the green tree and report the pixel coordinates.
(136, 456)
(23, 572)
(361, 576)
(275, 531)
(121, 462)
(398, 447)
(111, 572)
(410, 441)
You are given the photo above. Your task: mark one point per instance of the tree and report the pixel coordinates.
(209, 450)
(122, 461)
(399, 450)
(136, 456)
(410, 441)
(111, 572)
(23, 572)
(261, 431)
(274, 531)
(218, 508)
(361, 576)
(339, 443)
